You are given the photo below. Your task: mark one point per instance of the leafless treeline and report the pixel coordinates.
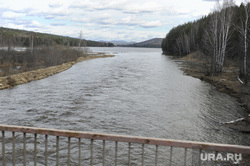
(36, 52)
(222, 34)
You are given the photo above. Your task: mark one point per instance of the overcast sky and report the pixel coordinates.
(130, 20)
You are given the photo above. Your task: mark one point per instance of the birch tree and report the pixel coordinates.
(180, 44)
(32, 43)
(218, 33)
(243, 30)
(193, 35)
(186, 39)
(226, 18)
(211, 40)
(80, 38)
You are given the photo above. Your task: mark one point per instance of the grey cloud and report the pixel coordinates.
(118, 6)
(23, 11)
(49, 14)
(2, 10)
(57, 24)
(33, 25)
(93, 8)
(21, 22)
(55, 5)
(143, 24)
(137, 11)
(149, 26)
(49, 17)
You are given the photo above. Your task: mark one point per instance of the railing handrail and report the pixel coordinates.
(130, 139)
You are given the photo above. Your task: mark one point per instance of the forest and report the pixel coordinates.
(22, 50)
(21, 38)
(220, 36)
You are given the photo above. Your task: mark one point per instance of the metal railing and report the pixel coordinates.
(33, 146)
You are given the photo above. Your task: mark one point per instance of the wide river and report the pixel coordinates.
(138, 92)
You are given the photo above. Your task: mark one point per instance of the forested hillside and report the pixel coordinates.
(40, 50)
(22, 38)
(152, 43)
(221, 35)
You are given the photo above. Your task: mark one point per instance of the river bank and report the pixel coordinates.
(25, 77)
(226, 82)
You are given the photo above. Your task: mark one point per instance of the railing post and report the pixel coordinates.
(129, 149)
(116, 148)
(91, 152)
(171, 154)
(195, 157)
(46, 150)
(142, 156)
(35, 149)
(216, 153)
(103, 153)
(79, 148)
(57, 150)
(3, 148)
(24, 149)
(185, 157)
(199, 157)
(156, 155)
(13, 148)
(68, 151)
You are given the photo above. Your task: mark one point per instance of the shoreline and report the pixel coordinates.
(25, 77)
(226, 82)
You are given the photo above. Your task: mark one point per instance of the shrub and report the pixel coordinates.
(11, 81)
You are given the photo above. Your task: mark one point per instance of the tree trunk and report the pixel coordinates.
(246, 45)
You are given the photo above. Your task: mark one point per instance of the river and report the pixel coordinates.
(138, 92)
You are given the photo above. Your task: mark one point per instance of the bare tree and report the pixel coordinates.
(193, 35)
(179, 44)
(218, 33)
(187, 43)
(1, 38)
(243, 30)
(211, 39)
(80, 38)
(226, 23)
(32, 42)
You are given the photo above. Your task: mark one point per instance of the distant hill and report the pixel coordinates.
(152, 43)
(121, 42)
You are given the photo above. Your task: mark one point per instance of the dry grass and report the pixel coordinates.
(13, 62)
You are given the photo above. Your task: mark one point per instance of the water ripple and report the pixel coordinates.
(138, 92)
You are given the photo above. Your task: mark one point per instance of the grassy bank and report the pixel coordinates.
(226, 82)
(25, 77)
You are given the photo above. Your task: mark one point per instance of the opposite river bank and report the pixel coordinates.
(25, 77)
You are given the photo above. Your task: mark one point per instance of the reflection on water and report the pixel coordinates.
(137, 92)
